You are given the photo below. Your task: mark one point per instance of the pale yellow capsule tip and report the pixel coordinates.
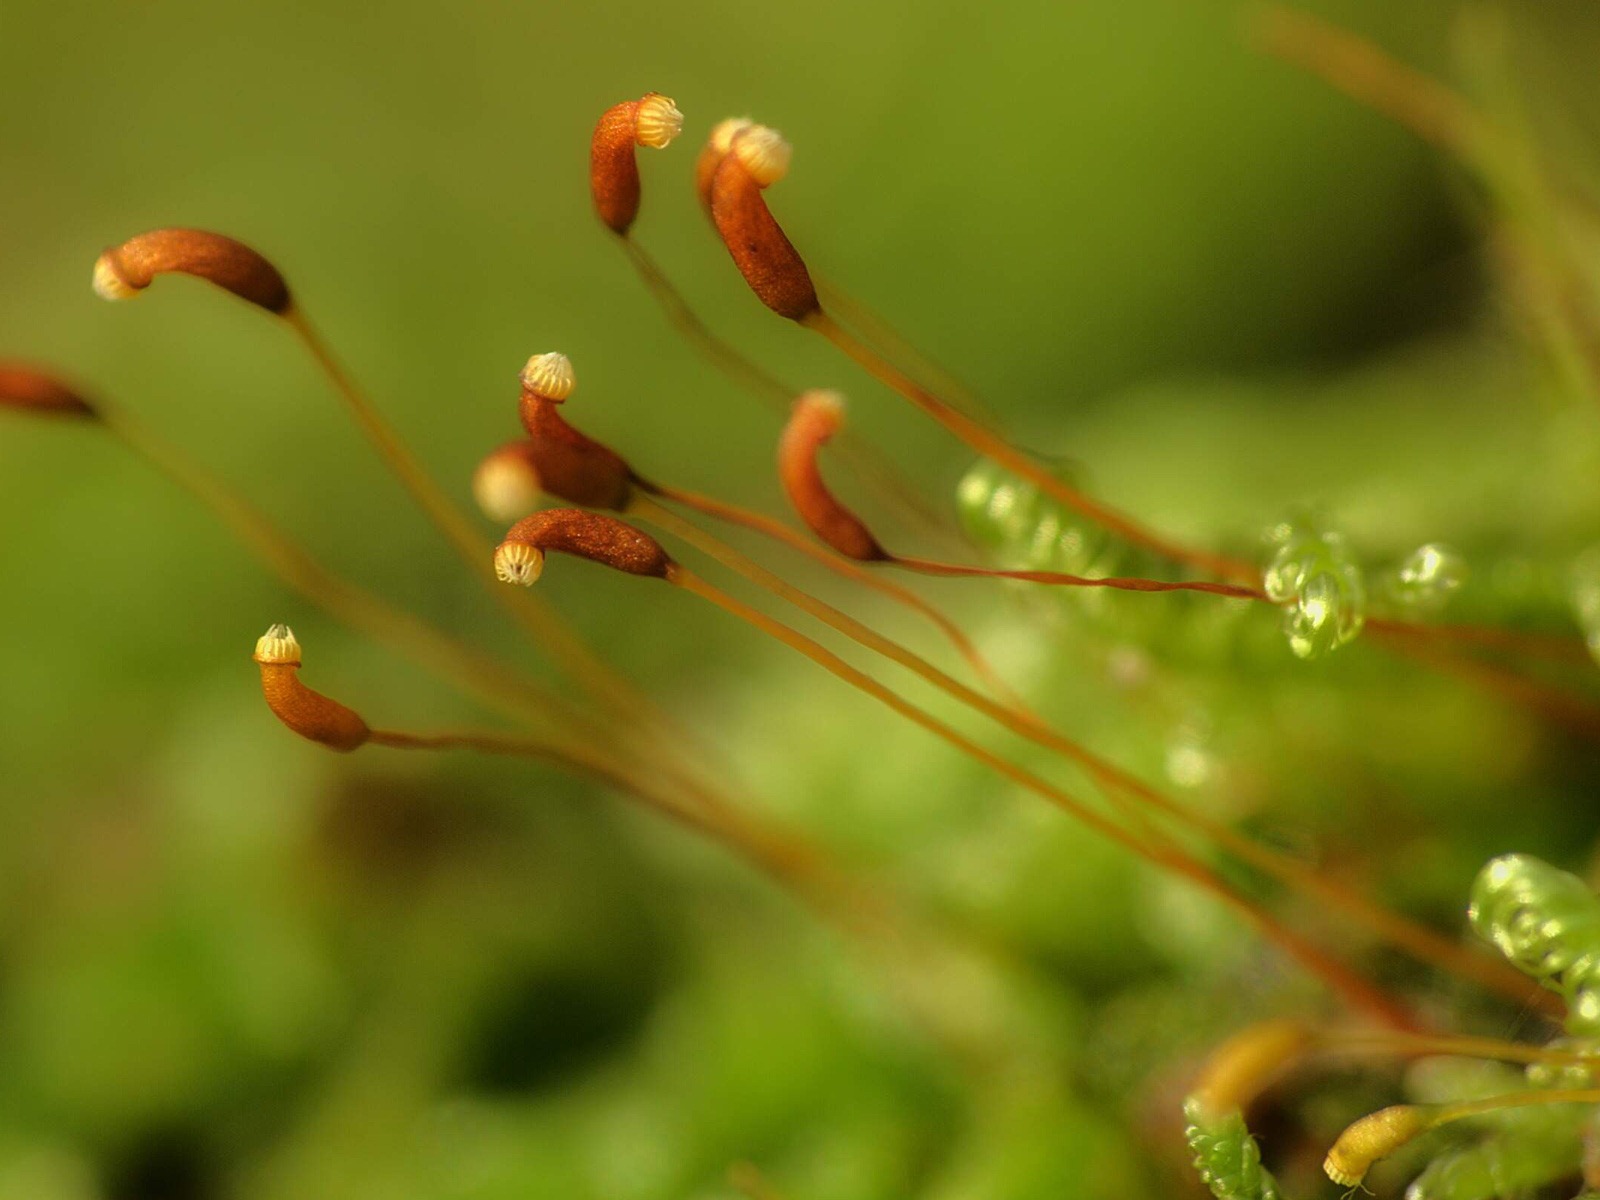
(658, 121)
(1337, 1173)
(824, 401)
(763, 152)
(549, 375)
(278, 647)
(1376, 1135)
(506, 487)
(519, 563)
(108, 281)
(722, 135)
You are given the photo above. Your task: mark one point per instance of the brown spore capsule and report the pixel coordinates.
(712, 154)
(570, 465)
(126, 270)
(652, 120)
(770, 264)
(506, 483)
(594, 536)
(310, 714)
(29, 390)
(816, 417)
(1376, 1135)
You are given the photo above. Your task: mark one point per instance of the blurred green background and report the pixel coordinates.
(234, 965)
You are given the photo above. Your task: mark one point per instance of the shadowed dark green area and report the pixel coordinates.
(233, 965)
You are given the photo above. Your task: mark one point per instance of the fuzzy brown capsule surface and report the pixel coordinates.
(570, 465)
(712, 154)
(126, 270)
(594, 536)
(310, 714)
(29, 390)
(760, 249)
(817, 416)
(652, 120)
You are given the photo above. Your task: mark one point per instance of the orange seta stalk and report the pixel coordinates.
(126, 270)
(788, 858)
(774, 270)
(1371, 76)
(614, 186)
(1417, 940)
(576, 454)
(817, 416)
(912, 955)
(605, 540)
(34, 391)
(705, 172)
(559, 460)
(1239, 1070)
(1245, 1065)
(653, 120)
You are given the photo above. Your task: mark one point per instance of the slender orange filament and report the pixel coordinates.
(992, 446)
(1119, 583)
(641, 717)
(782, 854)
(791, 860)
(1371, 76)
(759, 522)
(1415, 939)
(1355, 991)
(450, 519)
(868, 464)
(1405, 1045)
(721, 354)
(1552, 647)
(1473, 1108)
(477, 674)
(874, 329)
(1575, 711)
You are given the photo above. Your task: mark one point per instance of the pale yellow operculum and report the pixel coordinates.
(506, 488)
(108, 283)
(519, 563)
(278, 647)
(549, 375)
(763, 152)
(721, 139)
(1374, 1136)
(658, 121)
(824, 402)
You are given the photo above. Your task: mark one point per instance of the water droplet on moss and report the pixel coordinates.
(1313, 575)
(1424, 582)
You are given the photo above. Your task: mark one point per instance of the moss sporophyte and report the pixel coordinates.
(563, 493)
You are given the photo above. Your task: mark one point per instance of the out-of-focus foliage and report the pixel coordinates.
(234, 965)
